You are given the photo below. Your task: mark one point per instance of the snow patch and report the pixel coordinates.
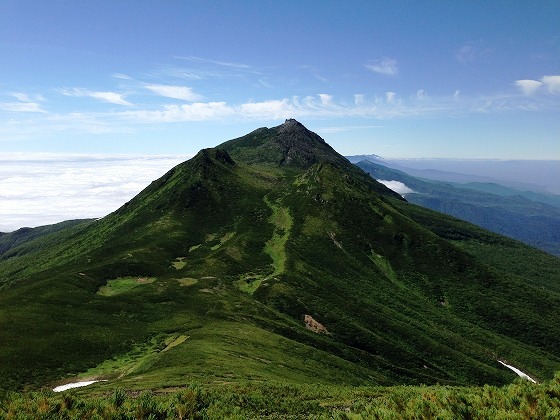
(519, 373)
(76, 385)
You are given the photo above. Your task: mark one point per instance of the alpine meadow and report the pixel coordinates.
(270, 277)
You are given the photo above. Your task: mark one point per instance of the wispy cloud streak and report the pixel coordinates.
(385, 66)
(26, 103)
(21, 107)
(216, 62)
(530, 95)
(110, 97)
(175, 92)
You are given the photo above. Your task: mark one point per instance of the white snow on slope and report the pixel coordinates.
(520, 373)
(75, 385)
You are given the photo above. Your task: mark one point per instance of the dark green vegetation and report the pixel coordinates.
(216, 269)
(20, 236)
(519, 400)
(529, 217)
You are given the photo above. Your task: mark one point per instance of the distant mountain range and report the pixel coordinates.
(533, 218)
(542, 176)
(272, 259)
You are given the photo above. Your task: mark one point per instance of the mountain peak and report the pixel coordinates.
(292, 125)
(289, 144)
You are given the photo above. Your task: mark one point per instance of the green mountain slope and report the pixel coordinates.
(522, 216)
(21, 236)
(272, 258)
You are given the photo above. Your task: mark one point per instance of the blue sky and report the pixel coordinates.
(458, 79)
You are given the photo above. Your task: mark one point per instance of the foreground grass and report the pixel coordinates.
(519, 400)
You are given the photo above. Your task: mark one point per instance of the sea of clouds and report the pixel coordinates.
(43, 189)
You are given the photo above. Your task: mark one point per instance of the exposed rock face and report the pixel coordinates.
(294, 127)
(313, 325)
(300, 146)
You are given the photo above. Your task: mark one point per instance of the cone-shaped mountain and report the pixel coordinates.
(290, 144)
(271, 257)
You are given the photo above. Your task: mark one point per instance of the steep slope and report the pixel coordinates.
(497, 209)
(271, 257)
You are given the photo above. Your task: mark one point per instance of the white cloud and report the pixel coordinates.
(552, 83)
(275, 109)
(26, 103)
(43, 189)
(386, 66)
(359, 99)
(473, 51)
(340, 129)
(176, 92)
(315, 72)
(24, 97)
(121, 76)
(198, 111)
(396, 186)
(110, 97)
(466, 53)
(21, 107)
(264, 83)
(390, 105)
(528, 87)
(216, 62)
(326, 100)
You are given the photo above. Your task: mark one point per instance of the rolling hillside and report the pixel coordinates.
(273, 258)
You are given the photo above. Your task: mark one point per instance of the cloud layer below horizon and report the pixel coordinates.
(45, 189)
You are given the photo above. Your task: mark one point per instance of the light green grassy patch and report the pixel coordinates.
(192, 248)
(179, 263)
(227, 237)
(179, 340)
(234, 252)
(123, 284)
(210, 237)
(248, 283)
(187, 281)
(383, 265)
(275, 246)
(223, 239)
